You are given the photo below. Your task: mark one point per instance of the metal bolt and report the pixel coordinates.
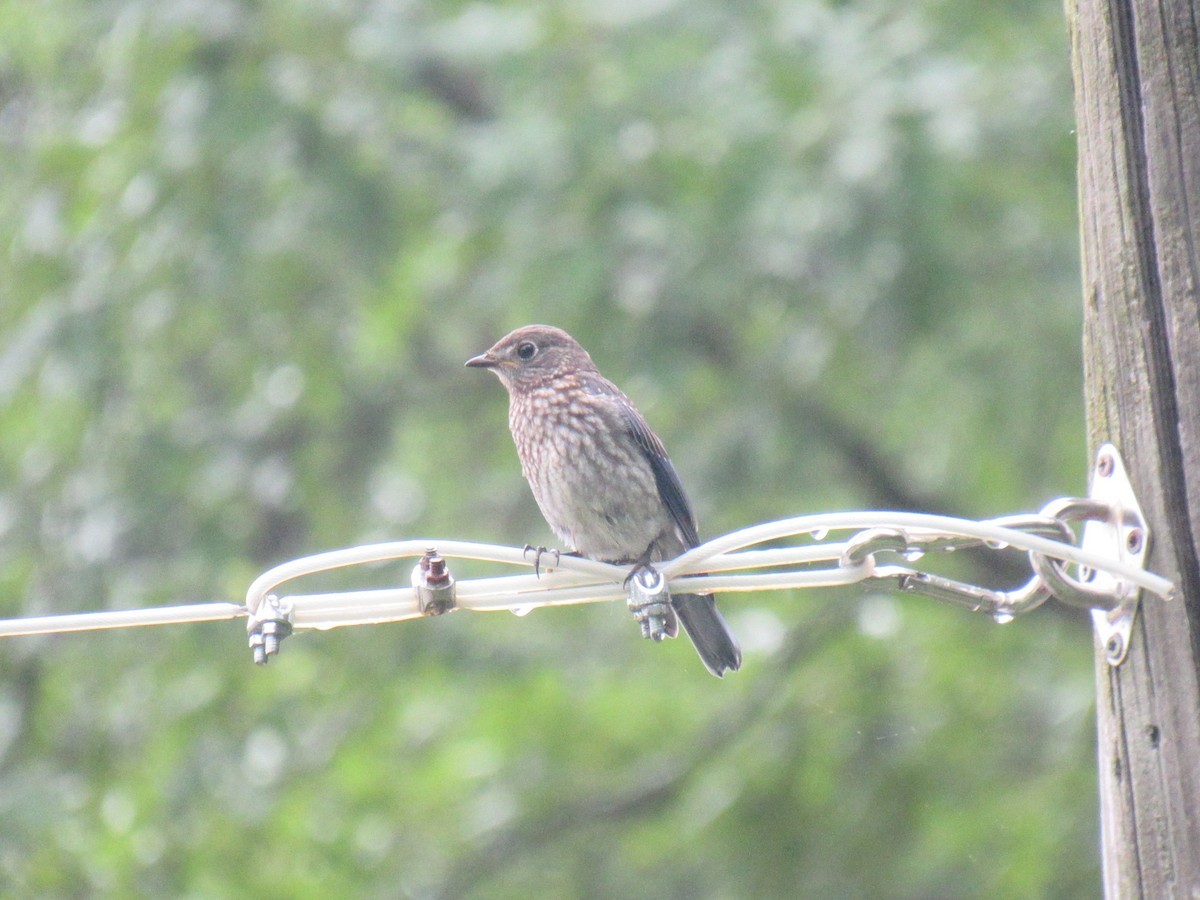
(434, 585)
(1114, 648)
(1133, 540)
(1104, 465)
(256, 646)
(270, 638)
(267, 634)
(438, 575)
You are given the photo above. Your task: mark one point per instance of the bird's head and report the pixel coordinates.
(533, 354)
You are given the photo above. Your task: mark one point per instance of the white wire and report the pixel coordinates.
(392, 550)
(121, 618)
(997, 535)
(575, 580)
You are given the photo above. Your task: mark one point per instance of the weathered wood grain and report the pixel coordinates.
(1137, 103)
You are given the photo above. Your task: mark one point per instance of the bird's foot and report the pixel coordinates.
(538, 553)
(640, 566)
(650, 602)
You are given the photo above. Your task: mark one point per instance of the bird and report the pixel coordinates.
(601, 478)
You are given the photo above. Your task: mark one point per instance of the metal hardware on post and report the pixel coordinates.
(1123, 535)
(1113, 527)
(1075, 591)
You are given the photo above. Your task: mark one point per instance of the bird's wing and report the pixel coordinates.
(670, 488)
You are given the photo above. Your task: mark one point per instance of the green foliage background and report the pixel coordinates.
(828, 247)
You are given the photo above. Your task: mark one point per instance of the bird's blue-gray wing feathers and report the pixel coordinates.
(670, 488)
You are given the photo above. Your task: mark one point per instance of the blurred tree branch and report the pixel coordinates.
(886, 489)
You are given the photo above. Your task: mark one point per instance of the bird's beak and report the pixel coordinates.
(483, 361)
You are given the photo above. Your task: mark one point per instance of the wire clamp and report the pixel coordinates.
(650, 602)
(433, 584)
(268, 626)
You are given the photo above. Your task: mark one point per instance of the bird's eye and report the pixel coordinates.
(526, 349)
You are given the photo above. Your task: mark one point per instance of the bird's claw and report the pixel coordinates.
(641, 566)
(650, 602)
(538, 553)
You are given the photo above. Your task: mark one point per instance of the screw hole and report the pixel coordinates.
(1114, 646)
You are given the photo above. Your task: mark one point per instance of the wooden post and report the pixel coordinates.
(1137, 107)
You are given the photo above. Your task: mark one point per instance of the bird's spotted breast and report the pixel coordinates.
(594, 488)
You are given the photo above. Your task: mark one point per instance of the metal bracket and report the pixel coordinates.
(1122, 535)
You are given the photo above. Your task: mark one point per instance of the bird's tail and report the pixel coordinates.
(705, 625)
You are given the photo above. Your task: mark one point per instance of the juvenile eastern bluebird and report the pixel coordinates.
(599, 474)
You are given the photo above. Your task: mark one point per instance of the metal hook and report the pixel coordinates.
(1072, 591)
(1003, 605)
